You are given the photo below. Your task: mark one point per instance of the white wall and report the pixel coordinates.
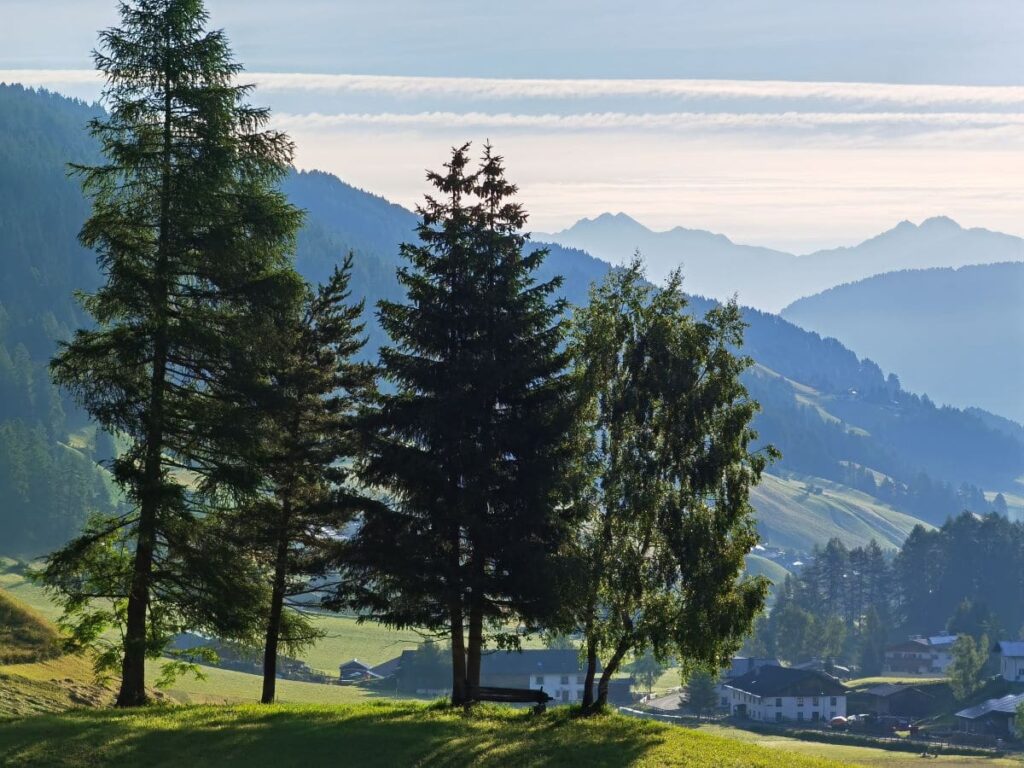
(569, 691)
(787, 708)
(1012, 668)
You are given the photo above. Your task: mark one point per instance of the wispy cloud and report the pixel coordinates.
(897, 96)
(489, 88)
(670, 121)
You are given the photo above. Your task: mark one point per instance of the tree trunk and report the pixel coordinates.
(458, 655)
(588, 685)
(476, 628)
(610, 669)
(276, 609)
(133, 664)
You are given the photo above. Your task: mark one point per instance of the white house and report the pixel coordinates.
(740, 666)
(920, 656)
(1011, 659)
(783, 694)
(559, 673)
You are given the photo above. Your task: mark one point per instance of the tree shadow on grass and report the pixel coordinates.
(309, 736)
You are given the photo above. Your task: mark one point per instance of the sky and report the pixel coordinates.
(797, 125)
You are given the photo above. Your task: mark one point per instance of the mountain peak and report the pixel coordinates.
(619, 220)
(939, 222)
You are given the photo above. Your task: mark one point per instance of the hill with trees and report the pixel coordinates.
(953, 333)
(834, 416)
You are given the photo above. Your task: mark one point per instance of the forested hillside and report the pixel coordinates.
(833, 416)
(48, 487)
(972, 314)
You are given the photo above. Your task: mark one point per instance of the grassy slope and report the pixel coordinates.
(790, 517)
(366, 735)
(762, 566)
(224, 686)
(864, 682)
(25, 635)
(865, 756)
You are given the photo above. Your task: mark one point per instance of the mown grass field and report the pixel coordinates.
(863, 682)
(865, 756)
(367, 735)
(224, 686)
(789, 516)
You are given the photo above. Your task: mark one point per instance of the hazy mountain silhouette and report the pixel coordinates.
(957, 334)
(768, 279)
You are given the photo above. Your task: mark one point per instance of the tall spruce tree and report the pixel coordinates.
(671, 519)
(473, 442)
(313, 397)
(193, 240)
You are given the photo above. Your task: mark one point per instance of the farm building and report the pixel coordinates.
(995, 717)
(899, 699)
(355, 671)
(1011, 659)
(782, 694)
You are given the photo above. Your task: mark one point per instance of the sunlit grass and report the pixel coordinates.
(378, 734)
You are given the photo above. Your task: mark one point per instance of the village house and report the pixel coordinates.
(1011, 659)
(740, 666)
(559, 673)
(354, 671)
(925, 656)
(781, 694)
(995, 717)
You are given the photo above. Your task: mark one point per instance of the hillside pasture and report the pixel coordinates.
(369, 735)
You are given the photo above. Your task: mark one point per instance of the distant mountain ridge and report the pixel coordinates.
(769, 279)
(957, 334)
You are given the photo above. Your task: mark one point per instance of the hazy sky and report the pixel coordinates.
(795, 124)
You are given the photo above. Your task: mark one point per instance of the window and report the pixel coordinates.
(832, 701)
(814, 701)
(778, 717)
(565, 679)
(815, 716)
(799, 701)
(778, 702)
(539, 679)
(799, 715)
(581, 679)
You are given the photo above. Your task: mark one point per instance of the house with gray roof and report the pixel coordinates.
(783, 694)
(995, 717)
(1011, 659)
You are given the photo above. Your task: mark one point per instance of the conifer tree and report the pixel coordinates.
(473, 443)
(671, 520)
(193, 241)
(313, 396)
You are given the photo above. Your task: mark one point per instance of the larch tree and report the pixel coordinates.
(193, 239)
(670, 519)
(473, 444)
(312, 399)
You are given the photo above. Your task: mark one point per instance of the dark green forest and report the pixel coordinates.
(925, 460)
(966, 577)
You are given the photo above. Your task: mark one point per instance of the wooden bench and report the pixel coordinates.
(511, 696)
